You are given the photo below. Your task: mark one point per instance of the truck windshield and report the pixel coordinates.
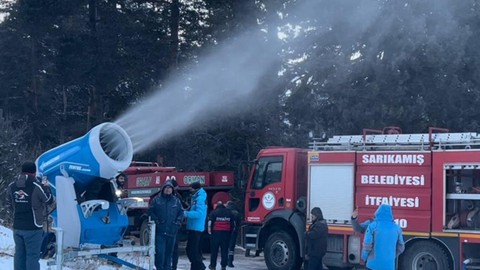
(268, 170)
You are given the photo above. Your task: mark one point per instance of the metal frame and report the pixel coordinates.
(420, 141)
(62, 255)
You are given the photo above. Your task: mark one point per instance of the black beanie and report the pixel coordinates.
(195, 185)
(29, 167)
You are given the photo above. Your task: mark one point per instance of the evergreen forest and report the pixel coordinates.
(284, 71)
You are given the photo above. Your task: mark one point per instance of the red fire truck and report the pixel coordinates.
(431, 180)
(146, 178)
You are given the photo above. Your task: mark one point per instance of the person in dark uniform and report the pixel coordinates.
(28, 199)
(234, 234)
(316, 240)
(221, 224)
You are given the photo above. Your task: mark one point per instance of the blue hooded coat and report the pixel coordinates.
(383, 240)
(198, 211)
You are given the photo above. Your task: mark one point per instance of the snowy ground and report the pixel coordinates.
(7, 249)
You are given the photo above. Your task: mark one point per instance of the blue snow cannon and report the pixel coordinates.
(81, 175)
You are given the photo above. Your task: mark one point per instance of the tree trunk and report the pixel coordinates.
(33, 58)
(174, 22)
(92, 15)
(64, 115)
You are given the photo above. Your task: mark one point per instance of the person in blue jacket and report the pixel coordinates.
(196, 218)
(166, 210)
(383, 240)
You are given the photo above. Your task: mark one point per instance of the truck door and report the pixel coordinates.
(266, 191)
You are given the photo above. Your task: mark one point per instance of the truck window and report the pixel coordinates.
(268, 170)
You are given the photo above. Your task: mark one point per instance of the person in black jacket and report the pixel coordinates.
(234, 234)
(166, 210)
(185, 206)
(28, 199)
(220, 225)
(316, 240)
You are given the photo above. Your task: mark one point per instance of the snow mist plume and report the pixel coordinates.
(222, 82)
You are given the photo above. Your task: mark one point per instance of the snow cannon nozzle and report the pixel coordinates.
(104, 151)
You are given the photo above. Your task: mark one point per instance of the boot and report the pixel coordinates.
(230, 258)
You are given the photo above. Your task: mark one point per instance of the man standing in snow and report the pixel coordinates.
(383, 240)
(166, 210)
(28, 199)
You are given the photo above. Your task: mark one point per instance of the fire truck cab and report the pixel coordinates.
(431, 180)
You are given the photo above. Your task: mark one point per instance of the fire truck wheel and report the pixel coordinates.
(424, 255)
(281, 253)
(144, 233)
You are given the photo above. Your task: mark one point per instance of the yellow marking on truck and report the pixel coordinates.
(443, 234)
(330, 227)
(464, 235)
(416, 234)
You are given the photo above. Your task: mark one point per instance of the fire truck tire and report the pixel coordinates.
(281, 253)
(144, 233)
(424, 255)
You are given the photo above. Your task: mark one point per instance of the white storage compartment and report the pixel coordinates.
(331, 187)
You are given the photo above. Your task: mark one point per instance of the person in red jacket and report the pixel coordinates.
(221, 223)
(28, 199)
